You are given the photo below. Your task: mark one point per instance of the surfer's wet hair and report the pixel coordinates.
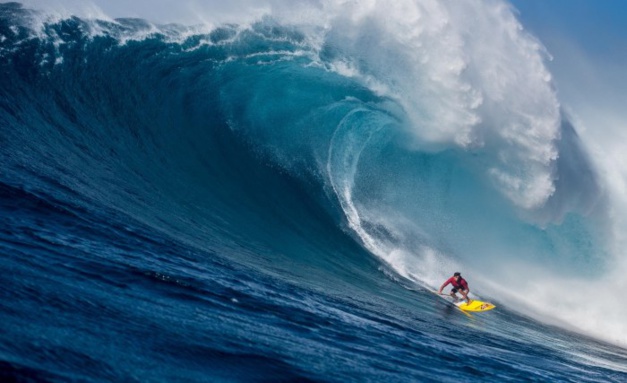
(457, 274)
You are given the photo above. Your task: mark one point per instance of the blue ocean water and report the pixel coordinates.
(273, 201)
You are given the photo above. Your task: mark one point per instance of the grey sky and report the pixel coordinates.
(169, 11)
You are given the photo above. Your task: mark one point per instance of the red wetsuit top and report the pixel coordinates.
(461, 284)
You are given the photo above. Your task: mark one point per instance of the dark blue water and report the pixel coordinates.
(172, 210)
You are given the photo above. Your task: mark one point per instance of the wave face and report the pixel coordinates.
(302, 159)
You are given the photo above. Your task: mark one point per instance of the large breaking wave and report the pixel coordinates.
(430, 132)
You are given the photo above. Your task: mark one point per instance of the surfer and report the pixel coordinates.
(459, 284)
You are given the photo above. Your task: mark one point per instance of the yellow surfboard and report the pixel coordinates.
(475, 305)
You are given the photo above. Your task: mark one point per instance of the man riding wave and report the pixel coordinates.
(459, 284)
